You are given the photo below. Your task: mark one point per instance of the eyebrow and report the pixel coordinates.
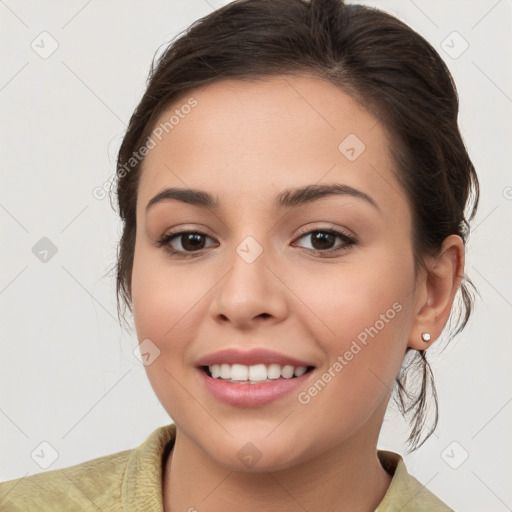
(287, 198)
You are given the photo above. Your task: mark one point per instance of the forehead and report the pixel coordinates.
(256, 137)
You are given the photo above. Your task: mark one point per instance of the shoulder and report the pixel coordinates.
(405, 492)
(130, 480)
(91, 485)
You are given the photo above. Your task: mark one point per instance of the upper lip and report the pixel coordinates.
(249, 357)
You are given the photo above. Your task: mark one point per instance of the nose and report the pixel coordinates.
(249, 294)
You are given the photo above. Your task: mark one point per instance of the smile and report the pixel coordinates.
(240, 373)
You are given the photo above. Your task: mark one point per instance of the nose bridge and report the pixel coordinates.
(249, 289)
(249, 250)
(247, 279)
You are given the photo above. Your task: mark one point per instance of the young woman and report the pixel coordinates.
(293, 188)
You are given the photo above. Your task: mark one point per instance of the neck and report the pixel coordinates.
(349, 477)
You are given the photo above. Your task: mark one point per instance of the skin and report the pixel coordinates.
(245, 142)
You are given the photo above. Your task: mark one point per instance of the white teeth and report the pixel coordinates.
(225, 371)
(287, 371)
(255, 373)
(301, 370)
(215, 370)
(239, 372)
(274, 371)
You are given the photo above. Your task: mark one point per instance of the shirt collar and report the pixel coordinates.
(141, 488)
(405, 492)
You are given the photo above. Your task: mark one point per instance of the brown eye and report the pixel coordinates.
(321, 240)
(183, 242)
(192, 241)
(324, 240)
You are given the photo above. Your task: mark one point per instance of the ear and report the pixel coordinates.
(435, 292)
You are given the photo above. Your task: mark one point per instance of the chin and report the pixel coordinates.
(254, 452)
(253, 460)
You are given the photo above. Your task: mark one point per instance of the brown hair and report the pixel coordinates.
(384, 65)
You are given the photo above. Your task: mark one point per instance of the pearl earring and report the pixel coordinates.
(425, 336)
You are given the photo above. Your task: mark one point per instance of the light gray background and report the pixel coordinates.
(68, 375)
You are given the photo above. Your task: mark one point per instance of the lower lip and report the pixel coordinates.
(251, 395)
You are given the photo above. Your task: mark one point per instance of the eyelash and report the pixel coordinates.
(164, 241)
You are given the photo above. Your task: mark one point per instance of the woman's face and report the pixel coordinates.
(270, 272)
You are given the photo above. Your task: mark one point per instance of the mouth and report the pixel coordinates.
(257, 385)
(254, 374)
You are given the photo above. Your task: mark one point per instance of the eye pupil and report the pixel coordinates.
(192, 241)
(325, 239)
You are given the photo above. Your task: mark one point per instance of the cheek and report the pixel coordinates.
(361, 323)
(165, 299)
(355, 294)
(362, 309)
(166, 305)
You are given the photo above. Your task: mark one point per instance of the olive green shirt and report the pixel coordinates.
(131, 481)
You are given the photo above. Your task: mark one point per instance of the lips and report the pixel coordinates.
(252, 394)
(250, 358)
